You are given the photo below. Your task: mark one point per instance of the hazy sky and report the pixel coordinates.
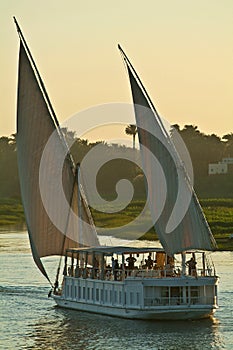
(182, 50)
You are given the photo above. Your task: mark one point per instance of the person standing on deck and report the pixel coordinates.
(131, 260)
(149, 262)
(191, 266)
(116, 269)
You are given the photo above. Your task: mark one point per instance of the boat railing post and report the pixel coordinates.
(203, 264)
(85, 266)
(123, 267)
(183, 263)
(102, 267)
(93, 266)
(72, 265)
(77, 270)
(65, 266)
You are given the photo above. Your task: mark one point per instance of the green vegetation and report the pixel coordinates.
(219, 213)
(203, 149)
(11, 212)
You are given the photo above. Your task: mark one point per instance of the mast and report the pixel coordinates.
(80, 226)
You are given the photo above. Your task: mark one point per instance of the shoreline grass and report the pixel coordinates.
(219, 214)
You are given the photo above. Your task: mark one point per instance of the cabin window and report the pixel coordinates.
(165, 295)
(138, 298)
(97, 294)
(92, 293)
(88, 293)
(211, 293)
(67, 291)
(194, 294)
(165, 292)
(110, 296)
(120, 297)
(75, 292)
(131, 296)
(102, 295)
(176, 295)
(71, 291)
(106, 295)
(84, 292)
(79, 292)
(115, 296)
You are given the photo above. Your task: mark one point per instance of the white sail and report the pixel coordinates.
(34, 128)
(176, 232)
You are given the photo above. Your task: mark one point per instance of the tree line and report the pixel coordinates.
(203, 149)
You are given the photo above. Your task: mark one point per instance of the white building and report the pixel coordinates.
(227, 160)
(218, 168)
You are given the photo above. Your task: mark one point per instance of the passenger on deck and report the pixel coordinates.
(70, 271)
(77, 271)
(169, 270)
(131, 260)
(149, 262)
(113, 263)
(192, 266)
(82, 263)
(116, 269)
(96, 266)
(108, 272)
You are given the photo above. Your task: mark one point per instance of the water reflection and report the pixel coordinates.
(67, 329)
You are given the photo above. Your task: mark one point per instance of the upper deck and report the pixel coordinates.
(119, 263)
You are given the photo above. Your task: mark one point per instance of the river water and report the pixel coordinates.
(29, 320)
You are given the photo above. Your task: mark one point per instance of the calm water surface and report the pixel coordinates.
(29, 320)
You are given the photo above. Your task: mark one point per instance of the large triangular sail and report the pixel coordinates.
(49, 234)
(176, 234)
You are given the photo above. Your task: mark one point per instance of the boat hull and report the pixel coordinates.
(140, 293)
(190, 312)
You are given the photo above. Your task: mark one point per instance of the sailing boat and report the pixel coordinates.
(139, 283)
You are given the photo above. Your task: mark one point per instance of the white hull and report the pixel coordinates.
(158, 293)
(156, 313)
(161, 298)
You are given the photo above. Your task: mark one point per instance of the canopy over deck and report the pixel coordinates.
(110, 250)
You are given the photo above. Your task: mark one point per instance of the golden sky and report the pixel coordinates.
(182, 50)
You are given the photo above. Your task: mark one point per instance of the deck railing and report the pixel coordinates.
(119, 274)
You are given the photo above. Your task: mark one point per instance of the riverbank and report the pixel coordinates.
(219, 213)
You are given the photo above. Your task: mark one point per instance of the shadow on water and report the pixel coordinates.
(67, 329)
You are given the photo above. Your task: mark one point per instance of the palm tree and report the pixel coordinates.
(131, 129)
(228, 144)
